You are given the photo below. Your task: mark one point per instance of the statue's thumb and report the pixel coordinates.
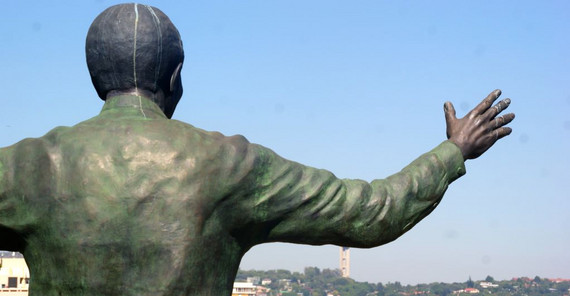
(449, 111)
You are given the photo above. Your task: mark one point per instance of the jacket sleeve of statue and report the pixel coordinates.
(289, 202)
(24, 182)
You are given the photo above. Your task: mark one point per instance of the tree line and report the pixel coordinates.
(316, 282)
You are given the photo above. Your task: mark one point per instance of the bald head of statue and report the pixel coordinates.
(134, 48)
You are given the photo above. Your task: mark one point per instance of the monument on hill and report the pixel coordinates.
(130, 202)
(344, 264)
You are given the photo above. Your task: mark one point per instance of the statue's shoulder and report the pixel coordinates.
(51, 139)
(37, 144)
(213, 137)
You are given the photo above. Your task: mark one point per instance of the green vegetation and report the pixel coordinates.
(316, 282)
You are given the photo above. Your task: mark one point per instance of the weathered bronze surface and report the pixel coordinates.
(131, 202)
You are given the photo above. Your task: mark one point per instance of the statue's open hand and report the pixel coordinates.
(480, 128)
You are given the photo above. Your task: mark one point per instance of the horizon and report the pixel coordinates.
(524, 278)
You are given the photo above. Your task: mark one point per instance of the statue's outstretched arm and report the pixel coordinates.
(289, 202)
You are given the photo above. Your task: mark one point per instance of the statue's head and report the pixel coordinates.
(134, 47)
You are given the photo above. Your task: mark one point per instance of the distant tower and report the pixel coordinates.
(345, 261)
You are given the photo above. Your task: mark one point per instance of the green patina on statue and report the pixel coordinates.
(131, 202)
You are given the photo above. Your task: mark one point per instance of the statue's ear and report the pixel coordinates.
(175, 76)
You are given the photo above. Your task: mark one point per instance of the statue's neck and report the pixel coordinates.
(158, 97)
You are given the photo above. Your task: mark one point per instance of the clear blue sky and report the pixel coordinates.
(356, 87)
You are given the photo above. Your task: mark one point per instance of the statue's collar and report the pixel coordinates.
(135, 104)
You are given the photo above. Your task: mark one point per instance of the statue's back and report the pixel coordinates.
(130, 202)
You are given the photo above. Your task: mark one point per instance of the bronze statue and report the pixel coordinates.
(131, 202)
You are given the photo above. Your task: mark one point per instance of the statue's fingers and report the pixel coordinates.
(487, 102)
(507, 118)
(500, 121)
(498, 108)
(502, 132)
(503, 120)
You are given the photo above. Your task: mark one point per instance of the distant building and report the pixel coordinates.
(467, 291)
(345, 261)
(486, 285)
(284, 283)
(262, 291)
(243, 289)
(14, 275)
(559, 280)
(254, 280)
(266, 282)
(7, 254)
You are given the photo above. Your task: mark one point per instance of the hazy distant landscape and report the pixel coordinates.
(15, 277)
(316, 282)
